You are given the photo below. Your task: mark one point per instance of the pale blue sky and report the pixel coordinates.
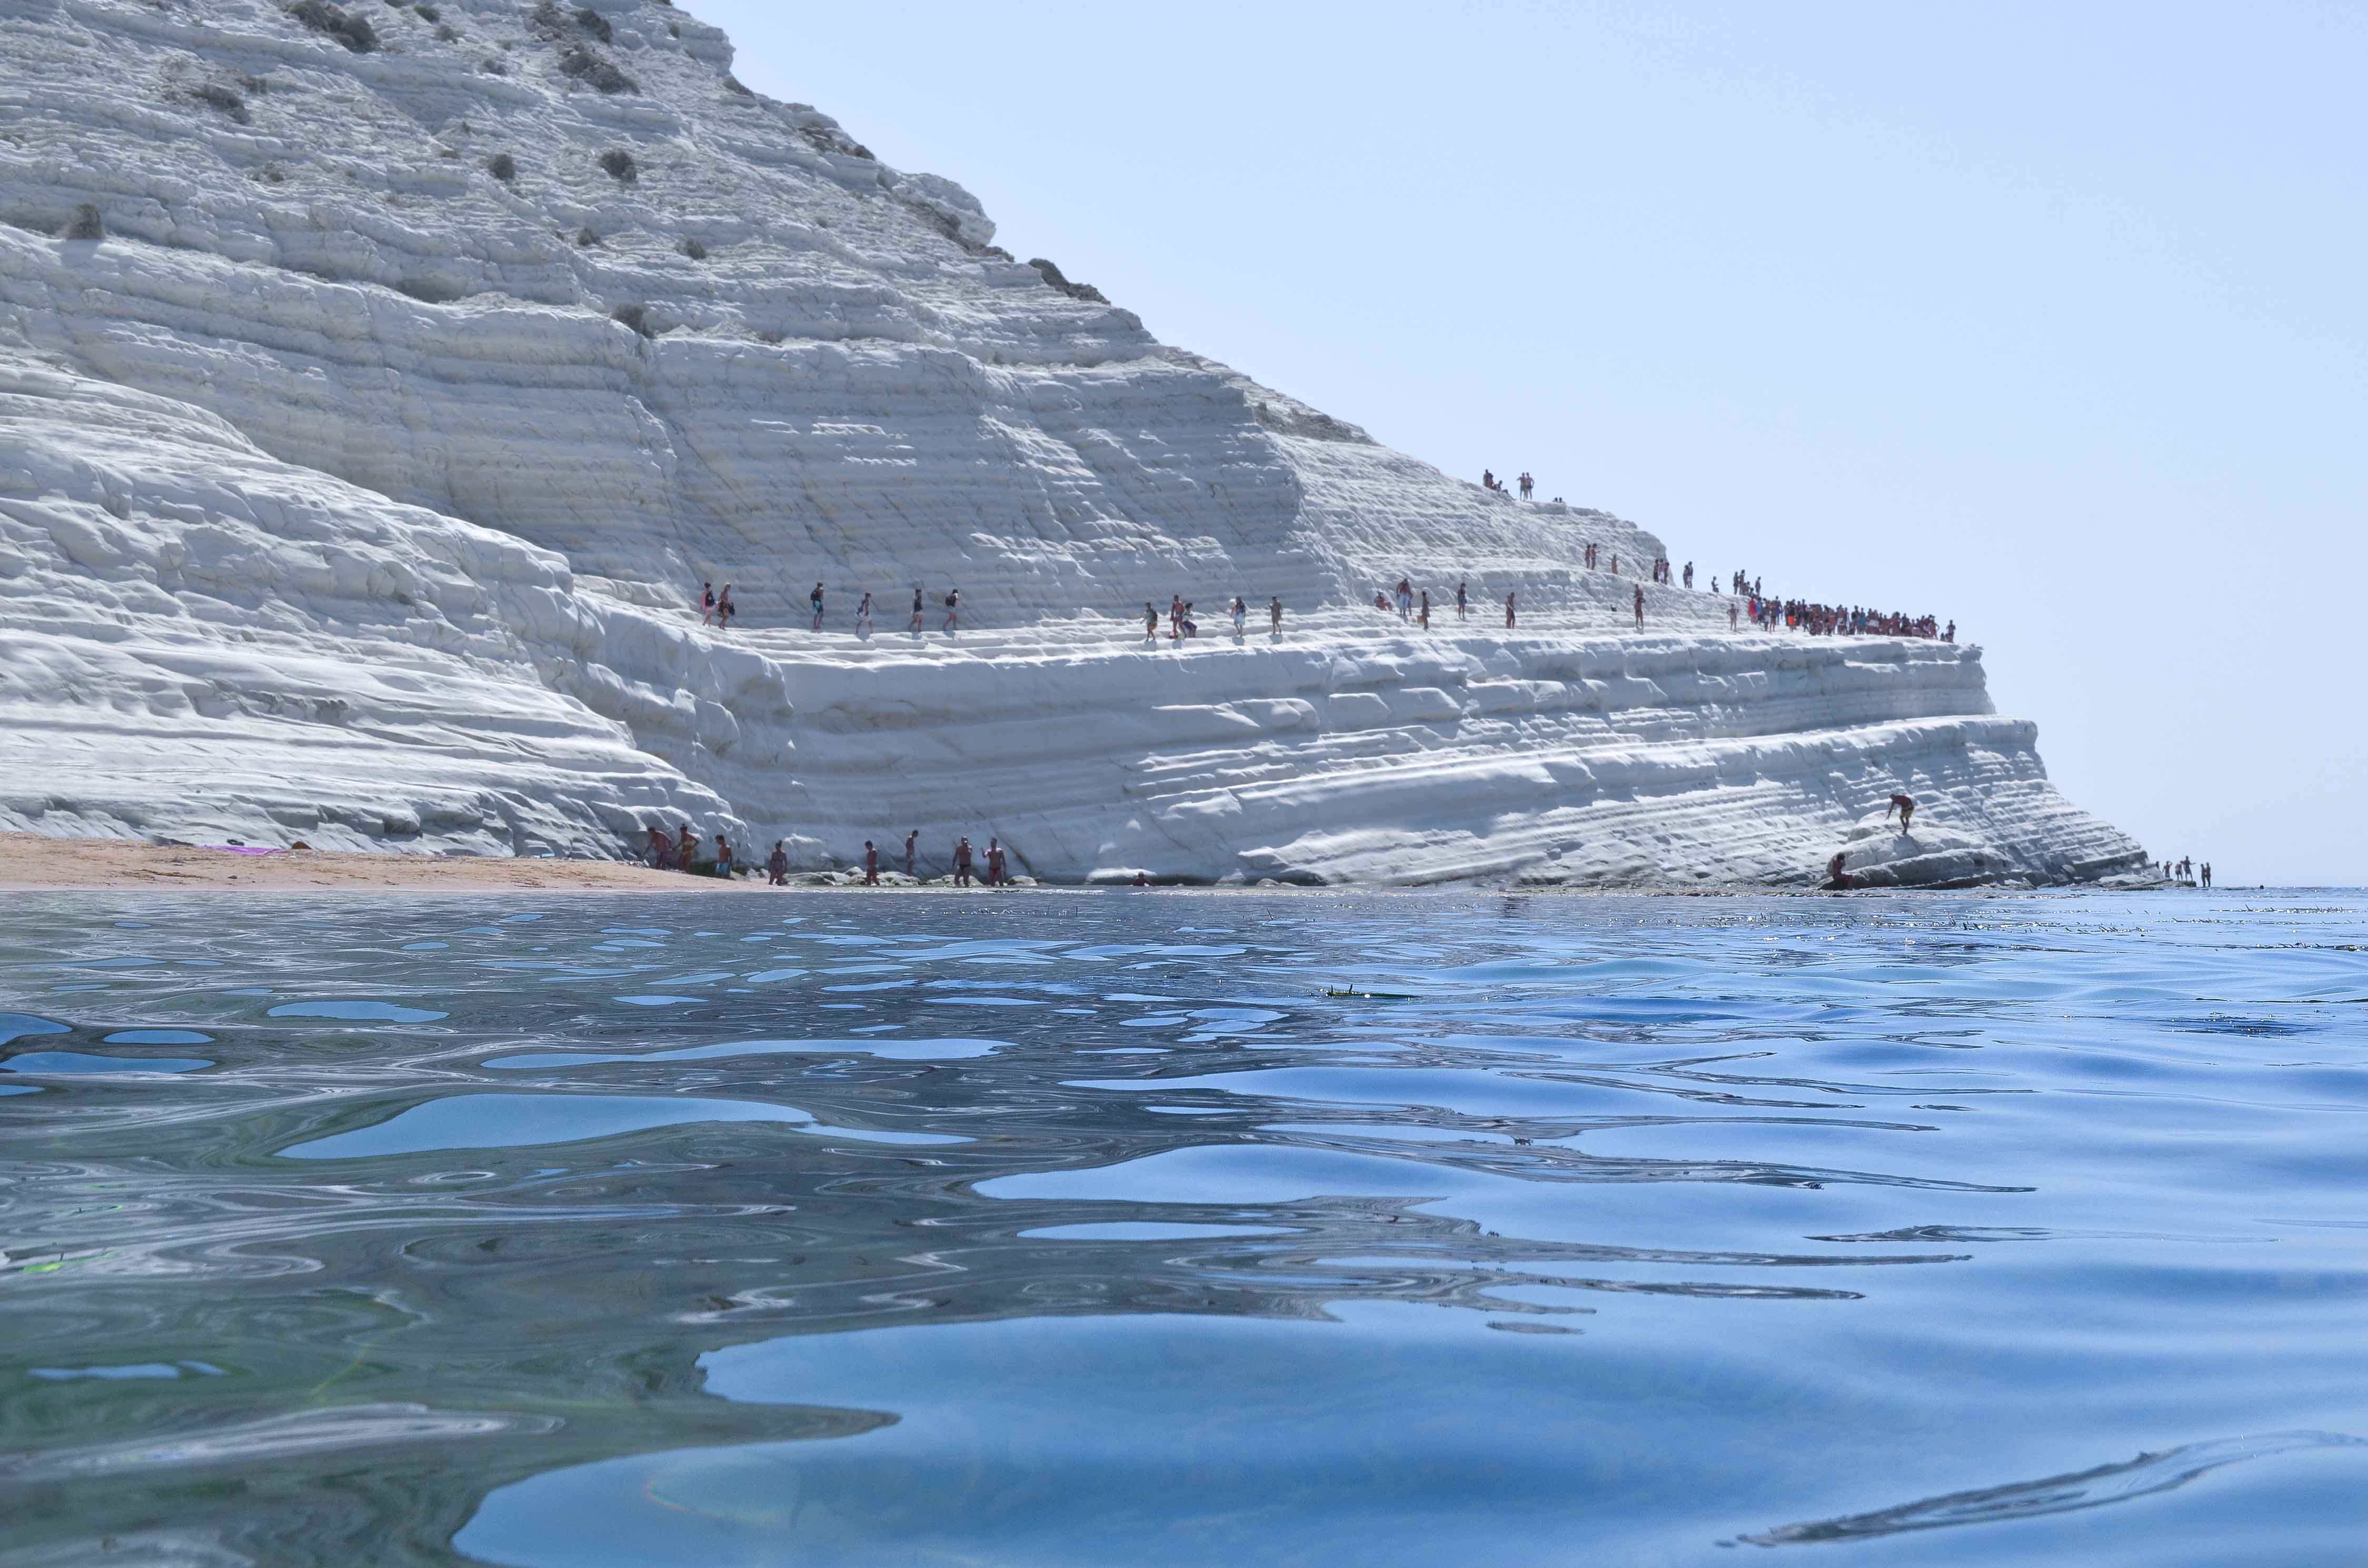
(2048, 319)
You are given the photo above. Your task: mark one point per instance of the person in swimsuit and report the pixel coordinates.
(916, 612)
(724, 609)
(870, 864)
(961, 863)
(1640, 606)
(995, 863)
(1426, 609)
(2207, 873)
(953, 609)
(814, 599)
(723, 855)
(1150, 623)
(1241, 616)
(911, 839)
(660, 849)
(1508, 611)
(1906, 808)
(1835, 875)
(1274, 616)
(688, 858)
(863, 617)
(777, 864)
(1406, 600)
(1730, 615)
(1462, 605)
(706, 603)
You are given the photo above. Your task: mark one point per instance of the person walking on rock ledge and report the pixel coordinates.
(917, 611)
(1462, 605)
(1508, 612)
(1274, 616)
(1904, 806)
(961, 862)
(953, 609)
(706, 603)
(863, 617)
(814, 599)
(1426, 609)
(1150, 624)
(1640, 606)
(1241, 616)
(777, 864)
(724, 609)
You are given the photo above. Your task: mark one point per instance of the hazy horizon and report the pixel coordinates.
(2042, 323)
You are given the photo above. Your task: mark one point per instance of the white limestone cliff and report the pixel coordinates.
(378, 384)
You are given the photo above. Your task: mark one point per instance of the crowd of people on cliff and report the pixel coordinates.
(1747, 603)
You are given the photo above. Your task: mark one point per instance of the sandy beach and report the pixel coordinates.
(30, 860)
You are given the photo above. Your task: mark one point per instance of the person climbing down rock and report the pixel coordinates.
(1905, 806)
(1835, 875)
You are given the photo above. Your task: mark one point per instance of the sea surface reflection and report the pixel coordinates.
(1058, 1229)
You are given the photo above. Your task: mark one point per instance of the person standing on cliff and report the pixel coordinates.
(1462, 605)
(917, 611)
(1690, 573)
(863, 617)
(814, 599)
(1640, 606)
(1274, 616)
(1508, 612)
(1426, 609)
(1406, 600)
(1527, 485)
(1241, 616)
(1730, 615)
(1150, 624)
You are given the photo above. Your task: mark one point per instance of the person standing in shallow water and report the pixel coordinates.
(995, 863)
(961, 862)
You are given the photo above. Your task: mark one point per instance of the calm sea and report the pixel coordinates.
(1062, 1229)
